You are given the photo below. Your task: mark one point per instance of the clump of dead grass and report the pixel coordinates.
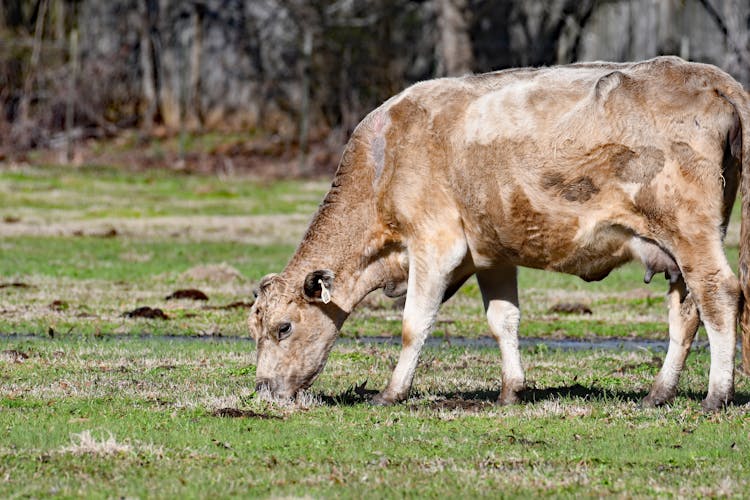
(85, 443)
(217, 273)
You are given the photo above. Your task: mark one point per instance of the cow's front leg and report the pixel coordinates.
(500, 295)
(431, 269)
(683, 324)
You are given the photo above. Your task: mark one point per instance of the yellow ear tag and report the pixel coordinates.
(325, 295)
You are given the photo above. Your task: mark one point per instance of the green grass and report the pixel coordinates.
(133, 260)
(93, 192)
(151, 405)
(115, 406)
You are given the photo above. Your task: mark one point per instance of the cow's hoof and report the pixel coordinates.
(651, 402)
(383, 399)
(715, 403)
(658, 397)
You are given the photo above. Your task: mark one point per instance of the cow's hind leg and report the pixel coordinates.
(683, 324)
(500, 295)
(716, 292)
(431, 271)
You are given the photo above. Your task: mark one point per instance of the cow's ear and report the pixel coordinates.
(318, 286)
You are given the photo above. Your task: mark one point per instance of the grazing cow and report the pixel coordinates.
(575, 169)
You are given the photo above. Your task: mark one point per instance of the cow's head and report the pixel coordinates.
(294, 325)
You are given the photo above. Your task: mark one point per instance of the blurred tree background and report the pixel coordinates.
(296, 76)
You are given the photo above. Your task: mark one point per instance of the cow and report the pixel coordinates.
(576, 169)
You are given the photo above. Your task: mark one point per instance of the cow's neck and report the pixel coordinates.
(345, 237)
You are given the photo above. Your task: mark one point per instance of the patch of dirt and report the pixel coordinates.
(146, 312)
(14, 356)
(15, 284)
(570, 308)
(104, 233)
(232, 305)
(59, 305)
(187, 293)
(237, 413)
(215, 273)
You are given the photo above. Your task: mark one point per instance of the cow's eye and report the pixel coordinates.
(285, 329)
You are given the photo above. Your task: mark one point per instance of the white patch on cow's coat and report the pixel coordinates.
(586, 227)
(631, 189)
(499, 114)
(379, 124)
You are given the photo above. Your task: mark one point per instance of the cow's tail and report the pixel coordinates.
(739, 142)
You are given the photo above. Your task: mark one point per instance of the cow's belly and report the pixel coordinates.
(590, 252)
(558, 246)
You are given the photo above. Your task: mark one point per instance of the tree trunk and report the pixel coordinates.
(670, 11)
(454, 51)
(304, 126)
(33, 64)
(148, 78)
(736, 15)
(70, 104)
(196, 49)
(59, 18)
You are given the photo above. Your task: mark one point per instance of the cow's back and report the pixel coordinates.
(557, 167)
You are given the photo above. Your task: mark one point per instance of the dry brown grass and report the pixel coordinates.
(85, 443)
(255, 230)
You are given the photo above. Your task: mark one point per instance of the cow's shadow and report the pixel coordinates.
(488, 397)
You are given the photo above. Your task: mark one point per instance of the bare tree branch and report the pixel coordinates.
(740, 52)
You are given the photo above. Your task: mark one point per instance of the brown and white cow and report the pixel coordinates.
(575, 169)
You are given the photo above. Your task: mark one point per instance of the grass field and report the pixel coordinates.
(91, 407)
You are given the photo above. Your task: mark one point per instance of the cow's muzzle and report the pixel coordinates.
(276, 389)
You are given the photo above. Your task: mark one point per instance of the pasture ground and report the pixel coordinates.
(98, 404)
